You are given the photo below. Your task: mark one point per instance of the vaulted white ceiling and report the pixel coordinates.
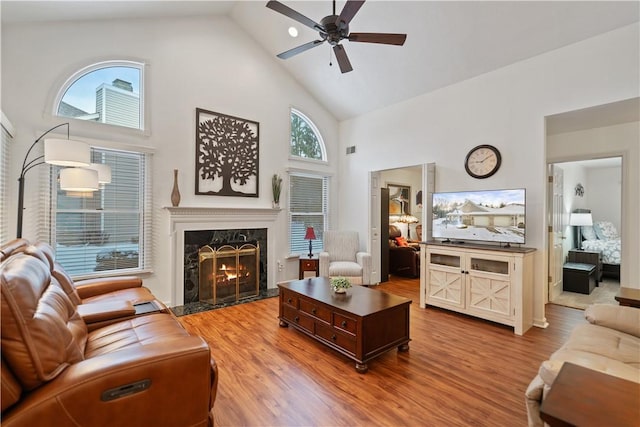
(447, 41)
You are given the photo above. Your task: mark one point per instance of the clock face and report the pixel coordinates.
(483, 161)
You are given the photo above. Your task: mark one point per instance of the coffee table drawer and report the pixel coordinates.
(315, 309)
(294, 316)
(289, 298)
(337, 338)
(345, 323)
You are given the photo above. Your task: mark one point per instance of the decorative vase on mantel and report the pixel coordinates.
(175, 193)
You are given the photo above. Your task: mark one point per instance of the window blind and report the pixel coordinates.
(308, 200)
(4, 177)
(106, 230)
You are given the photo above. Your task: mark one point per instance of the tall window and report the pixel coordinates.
(306, 141)
(107, 92)
(4, 177)
(308, 196)
(105, 230)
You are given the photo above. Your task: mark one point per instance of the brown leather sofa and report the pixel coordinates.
(60, 368)
(403, 260)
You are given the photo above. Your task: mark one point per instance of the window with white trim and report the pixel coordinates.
(4, 177)
(306, 141)
(106, 230)
(308, 207)
(107, 92)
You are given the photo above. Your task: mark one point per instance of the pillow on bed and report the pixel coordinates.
(605, 230)
(588, 233)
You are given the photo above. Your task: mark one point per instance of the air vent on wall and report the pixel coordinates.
(351, 150)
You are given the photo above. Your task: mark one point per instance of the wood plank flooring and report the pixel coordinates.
(459, 371)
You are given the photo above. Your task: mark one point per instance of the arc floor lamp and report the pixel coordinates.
(61, 152)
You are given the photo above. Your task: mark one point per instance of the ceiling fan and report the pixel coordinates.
(333, 29)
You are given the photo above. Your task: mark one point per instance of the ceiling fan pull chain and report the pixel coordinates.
(330, 63)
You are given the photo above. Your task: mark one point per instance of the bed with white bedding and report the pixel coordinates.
(603, 237)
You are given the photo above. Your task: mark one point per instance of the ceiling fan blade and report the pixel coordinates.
(287, 11)
(349, 11)
(296, 50)
(382, 38)
(343, 59)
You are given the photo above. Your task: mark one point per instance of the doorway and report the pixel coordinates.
(592, 189)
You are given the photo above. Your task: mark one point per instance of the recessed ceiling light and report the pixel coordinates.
(293, 31)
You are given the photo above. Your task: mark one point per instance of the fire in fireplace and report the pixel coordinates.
(229, 272)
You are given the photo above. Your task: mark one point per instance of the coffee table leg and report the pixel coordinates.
(403, 347)
(283, 324)
(361, 368)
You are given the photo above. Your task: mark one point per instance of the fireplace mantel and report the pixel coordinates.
(188, 218)
(199, 213)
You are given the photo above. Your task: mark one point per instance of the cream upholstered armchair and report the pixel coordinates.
(342, 257)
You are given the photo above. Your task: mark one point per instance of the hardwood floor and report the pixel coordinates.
(459, 371)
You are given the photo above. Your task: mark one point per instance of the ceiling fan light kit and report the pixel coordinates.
(333, 29)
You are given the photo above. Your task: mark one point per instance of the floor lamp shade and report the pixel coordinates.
(104, 172)
(66, 152)
(79, 179)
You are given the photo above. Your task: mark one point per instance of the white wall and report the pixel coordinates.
(604, 186)
(505, 108)
(193, 62)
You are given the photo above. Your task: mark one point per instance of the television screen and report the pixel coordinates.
(490, 216)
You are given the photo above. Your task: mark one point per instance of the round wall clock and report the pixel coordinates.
(483, 161)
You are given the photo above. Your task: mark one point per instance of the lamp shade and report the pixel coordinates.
(79, 179)
(104, 172)
(580, 219)
(310, 234)
(66, 152)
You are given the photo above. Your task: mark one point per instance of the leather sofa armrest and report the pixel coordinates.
(99, 312)
(178, 390)
(92, 287)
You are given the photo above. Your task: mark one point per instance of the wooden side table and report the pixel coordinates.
(584, 397)
(629, 297)
(308, 265)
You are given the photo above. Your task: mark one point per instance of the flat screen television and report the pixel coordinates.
(488, 216)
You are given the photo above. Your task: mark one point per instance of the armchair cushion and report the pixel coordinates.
(342, 257)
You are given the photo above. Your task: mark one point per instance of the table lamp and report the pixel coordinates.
(310, 235)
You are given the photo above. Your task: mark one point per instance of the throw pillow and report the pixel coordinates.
(402, 241)
(588, 233)
(605, 230)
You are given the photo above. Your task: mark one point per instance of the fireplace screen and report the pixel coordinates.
(229, 272)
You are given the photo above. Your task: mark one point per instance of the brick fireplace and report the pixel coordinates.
(192, 228)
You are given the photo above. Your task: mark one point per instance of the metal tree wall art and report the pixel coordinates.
(227, 154)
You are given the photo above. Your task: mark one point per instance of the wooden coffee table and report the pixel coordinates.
(584, 397)
(361, 324)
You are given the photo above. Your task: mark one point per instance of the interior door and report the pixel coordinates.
(556, 230)
(384, 234)
(374, 224)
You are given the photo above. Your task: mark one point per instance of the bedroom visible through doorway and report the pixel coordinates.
(591, 194)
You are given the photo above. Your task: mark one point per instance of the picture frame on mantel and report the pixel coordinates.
(399, 199)
(227, 155)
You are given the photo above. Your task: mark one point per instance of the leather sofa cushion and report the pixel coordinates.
(598, 348)
(11, 390)
(621, 318)
(143, 330)
(42, 332)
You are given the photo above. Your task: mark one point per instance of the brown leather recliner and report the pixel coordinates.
(146, 370)
(403, 260)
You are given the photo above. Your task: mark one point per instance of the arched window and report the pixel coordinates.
(107, 92)
(306, 141)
